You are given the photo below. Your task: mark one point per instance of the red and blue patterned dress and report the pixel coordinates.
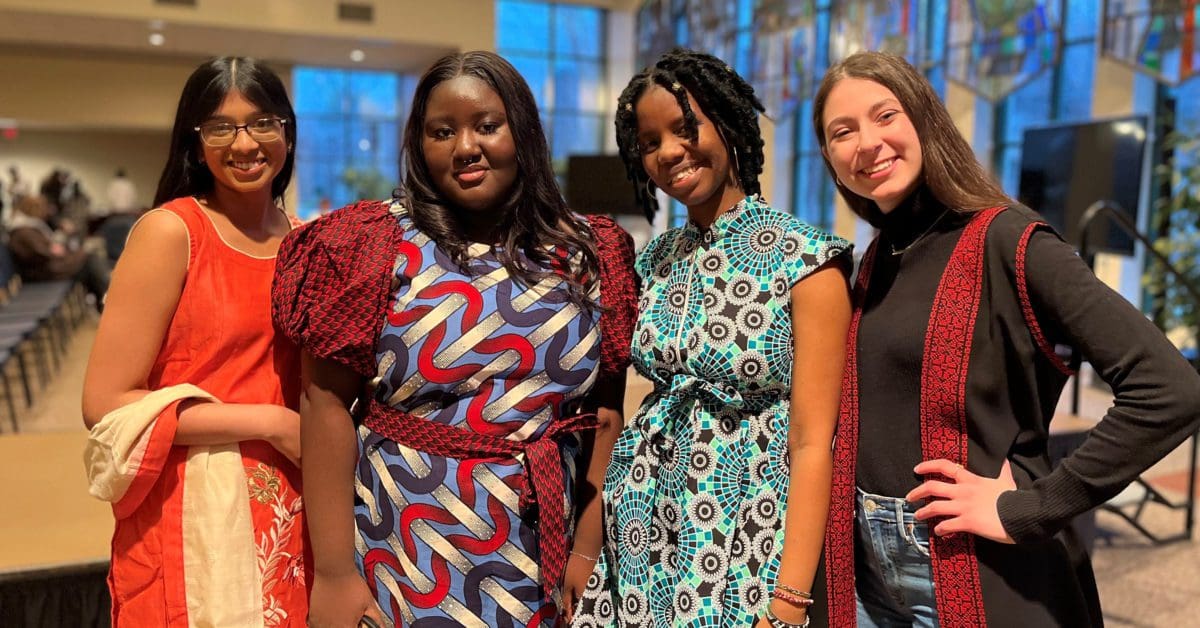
(449, 539)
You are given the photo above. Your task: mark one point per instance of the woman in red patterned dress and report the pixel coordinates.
(209, 528)
(473, 323)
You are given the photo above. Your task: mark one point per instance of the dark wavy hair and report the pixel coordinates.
(723, 95)
(534, 216)
(185, 174)
(949, 167)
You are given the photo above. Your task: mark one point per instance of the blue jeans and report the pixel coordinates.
(893, 572)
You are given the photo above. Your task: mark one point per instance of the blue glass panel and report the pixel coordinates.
(780, 194)
(1145, 94)
(578, 85)
(317, 90)
(1028, 106)
(579, 31)
(745, 14)
(373, 93)
(1077, 75)
(522, 26)
(808, 191)
(319, 182)
(804, 130)
(937, 78)
(983, 136)
(1010, 169)
(320, 134)
(576, 134)
(536, 71)
(743, 58)
(1187, 116)
(822, 43)
(938, 14)
(1082, 19)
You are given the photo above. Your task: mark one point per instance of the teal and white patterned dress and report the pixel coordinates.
(695, 494)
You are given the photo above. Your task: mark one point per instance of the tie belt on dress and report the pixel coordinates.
(541, 474)
(684, 389)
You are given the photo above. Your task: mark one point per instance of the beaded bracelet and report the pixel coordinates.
(790, 598)
(585, 556)
(776, 622)
(793, 590)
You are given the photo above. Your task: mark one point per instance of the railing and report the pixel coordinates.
(1121, 218)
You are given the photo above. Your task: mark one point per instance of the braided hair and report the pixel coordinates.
(724, 96)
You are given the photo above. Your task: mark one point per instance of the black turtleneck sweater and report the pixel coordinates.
(1012, 390)
(1012, 387)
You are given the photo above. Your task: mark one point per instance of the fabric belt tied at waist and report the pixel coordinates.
(541, 474)
(658, 426)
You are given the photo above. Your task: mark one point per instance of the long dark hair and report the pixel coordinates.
(185, 174)
(534, 215)
(723, 95)
(949, 167)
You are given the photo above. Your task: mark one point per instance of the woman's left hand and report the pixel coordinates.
(785, 612)
(967, 503)
(579, 569)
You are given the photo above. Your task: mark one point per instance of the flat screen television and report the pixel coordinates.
(1064, 169)
(596, 184)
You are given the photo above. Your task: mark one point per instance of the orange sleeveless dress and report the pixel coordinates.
(222, 340)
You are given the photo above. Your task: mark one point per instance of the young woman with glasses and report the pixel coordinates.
(209, 524)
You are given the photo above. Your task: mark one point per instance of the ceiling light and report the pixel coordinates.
(157, 39)
(357, 55)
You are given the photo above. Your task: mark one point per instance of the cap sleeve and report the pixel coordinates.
(618, 294)
(806, 248)
(331, 283)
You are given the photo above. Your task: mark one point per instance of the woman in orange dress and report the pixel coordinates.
(189, 380)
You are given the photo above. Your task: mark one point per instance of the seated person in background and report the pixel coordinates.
(43, 254)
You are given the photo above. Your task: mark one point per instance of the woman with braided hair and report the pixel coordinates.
(716, 494)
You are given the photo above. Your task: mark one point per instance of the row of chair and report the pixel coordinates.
(36, 323)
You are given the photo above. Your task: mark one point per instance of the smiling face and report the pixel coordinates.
(468, 145)
(871, 143)
(247, 165)
(696, 172)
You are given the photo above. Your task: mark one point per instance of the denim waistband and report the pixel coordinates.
(882, 508)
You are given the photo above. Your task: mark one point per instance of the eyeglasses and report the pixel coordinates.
(224, 133)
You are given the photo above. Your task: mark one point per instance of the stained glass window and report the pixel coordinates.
(1062, 93)
(996, 46)
(1157, 37)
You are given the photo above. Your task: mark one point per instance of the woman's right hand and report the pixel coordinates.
(341, 601)
(283, 431)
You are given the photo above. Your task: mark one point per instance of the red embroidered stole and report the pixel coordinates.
(947, 353)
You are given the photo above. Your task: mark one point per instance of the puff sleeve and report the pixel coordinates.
(618, 294)
(331, 283)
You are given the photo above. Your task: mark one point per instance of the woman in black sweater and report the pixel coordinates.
(946, 508)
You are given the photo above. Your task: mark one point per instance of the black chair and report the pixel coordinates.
(115, 231)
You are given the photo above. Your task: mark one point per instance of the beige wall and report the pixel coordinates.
(71, 90)
(458, 24)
